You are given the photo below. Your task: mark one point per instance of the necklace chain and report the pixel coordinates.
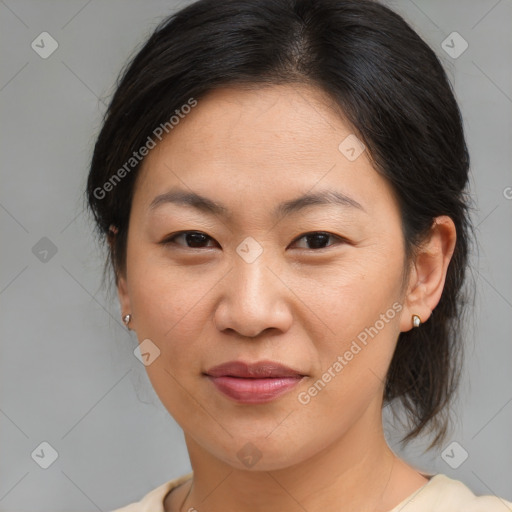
(387, 483)
(185, 498)
(380, 497)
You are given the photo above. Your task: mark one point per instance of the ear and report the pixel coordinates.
(428, 272)
(122, 287)
(124, 298)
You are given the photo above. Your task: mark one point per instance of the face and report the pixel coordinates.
(312, 285)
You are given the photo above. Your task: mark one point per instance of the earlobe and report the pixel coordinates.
(122, 288)
(124, 298)
(428, 275)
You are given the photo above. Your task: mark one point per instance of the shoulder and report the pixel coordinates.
(443, 494)
(153, 501)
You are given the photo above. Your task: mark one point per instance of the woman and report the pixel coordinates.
(282, 184)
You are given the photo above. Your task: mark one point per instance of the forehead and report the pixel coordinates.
(295, 117)
(271, 143)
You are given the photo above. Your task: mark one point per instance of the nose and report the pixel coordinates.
(254, 299)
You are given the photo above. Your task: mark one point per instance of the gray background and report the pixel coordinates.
(68, 375)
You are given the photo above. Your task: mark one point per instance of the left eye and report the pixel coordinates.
(318, 239)
(197, 239)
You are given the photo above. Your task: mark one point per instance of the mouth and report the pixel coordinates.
(253, 383)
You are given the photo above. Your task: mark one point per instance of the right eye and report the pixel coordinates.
(196, 239)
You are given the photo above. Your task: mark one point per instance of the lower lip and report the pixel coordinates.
(254, 391)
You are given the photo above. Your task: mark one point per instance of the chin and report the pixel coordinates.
(261, 454)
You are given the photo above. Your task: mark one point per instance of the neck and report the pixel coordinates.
(356, 472)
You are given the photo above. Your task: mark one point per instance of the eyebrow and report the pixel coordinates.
(206, 205)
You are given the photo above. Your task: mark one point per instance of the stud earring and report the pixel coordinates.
(416, 321)
(126, 319)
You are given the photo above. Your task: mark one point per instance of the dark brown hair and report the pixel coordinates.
(390, 86)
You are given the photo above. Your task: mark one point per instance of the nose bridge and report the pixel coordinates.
(253, 298)
(254, 287)
(253, 279)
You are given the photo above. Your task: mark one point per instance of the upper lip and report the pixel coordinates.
(260, 369)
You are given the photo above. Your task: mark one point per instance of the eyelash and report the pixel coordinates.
(170, 240)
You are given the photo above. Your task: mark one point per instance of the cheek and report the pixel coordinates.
(171, 307)
(165, 296)
(349, 385)
(360, 303)
(171, 311)
(352, 294)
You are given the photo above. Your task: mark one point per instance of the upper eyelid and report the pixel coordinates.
(169, 238)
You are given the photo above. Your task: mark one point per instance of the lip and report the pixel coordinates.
(254, 383)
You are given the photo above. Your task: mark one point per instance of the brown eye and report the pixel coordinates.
(193, 239)
(318, 239)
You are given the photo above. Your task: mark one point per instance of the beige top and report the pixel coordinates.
(439, 494)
